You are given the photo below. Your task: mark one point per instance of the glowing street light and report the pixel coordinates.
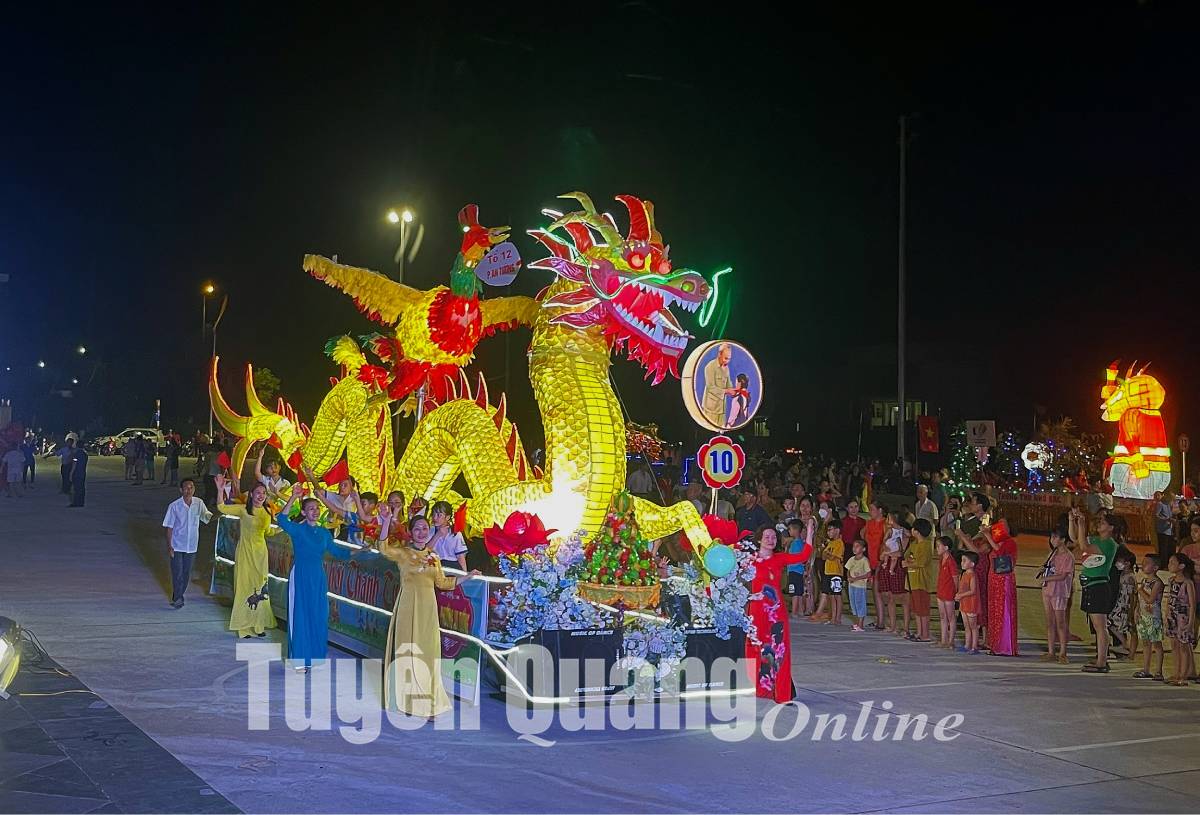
(402, 218)
(41, 364)
(207, 289)
(82, 350)
(74, 381)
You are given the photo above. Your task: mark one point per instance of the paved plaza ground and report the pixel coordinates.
(149, 712)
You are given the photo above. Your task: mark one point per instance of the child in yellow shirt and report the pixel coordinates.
(834, 554)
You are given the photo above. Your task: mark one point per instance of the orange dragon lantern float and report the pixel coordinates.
(1140, 464)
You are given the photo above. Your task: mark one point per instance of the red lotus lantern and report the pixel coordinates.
(522, 531)
(719, 529)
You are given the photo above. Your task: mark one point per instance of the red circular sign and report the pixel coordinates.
(721, 461)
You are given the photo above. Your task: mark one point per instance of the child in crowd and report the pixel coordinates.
(947, 588)
(917, 558)
(892, 542)
(270, 478)
(1121, 618)
(858, 569)
(369, 519)
(891, 574)
(1057, 576)
(968, 602)
(835, 553)
(446, 542)
(1150, 622)
(789, 511)
(1181, 614)
(795, 572)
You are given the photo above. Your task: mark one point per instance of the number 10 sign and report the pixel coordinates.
(721, 460)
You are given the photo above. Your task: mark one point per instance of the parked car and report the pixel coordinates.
(117, 441)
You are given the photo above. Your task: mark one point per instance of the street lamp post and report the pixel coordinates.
(204, 294)
(206, 291)
(216, 322)
(403, 218)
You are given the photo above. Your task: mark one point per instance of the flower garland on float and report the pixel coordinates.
(545, 594)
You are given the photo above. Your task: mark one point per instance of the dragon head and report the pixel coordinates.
(626, 284)
(1140, 390)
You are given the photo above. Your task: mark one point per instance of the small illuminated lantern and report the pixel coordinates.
(1037, 458)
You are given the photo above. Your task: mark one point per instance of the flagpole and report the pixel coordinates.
(917, 453)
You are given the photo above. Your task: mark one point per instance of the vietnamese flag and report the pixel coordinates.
(927, 428)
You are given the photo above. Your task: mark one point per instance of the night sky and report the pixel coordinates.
(1053, 203)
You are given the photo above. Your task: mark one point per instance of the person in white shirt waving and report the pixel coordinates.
(449, 545)
(182, 523)
(276, 484)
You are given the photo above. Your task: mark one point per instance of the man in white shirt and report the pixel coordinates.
(640, 482)
(925, 508)
(182, 523)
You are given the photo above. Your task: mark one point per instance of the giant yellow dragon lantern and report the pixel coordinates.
(1141, 461)
(611, 293)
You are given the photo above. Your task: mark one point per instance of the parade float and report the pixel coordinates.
(1140, 464)
(1039, 483)
(573, 549)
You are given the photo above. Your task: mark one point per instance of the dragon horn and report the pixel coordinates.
(557, 247)
(612, 225)
(655, 235)
(229, 419)
(639, 224)
(604, 224)
(580, 236)
(257, 408)
(1143, 369)
(1129, 373)
(584, 200)
(464, 391)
